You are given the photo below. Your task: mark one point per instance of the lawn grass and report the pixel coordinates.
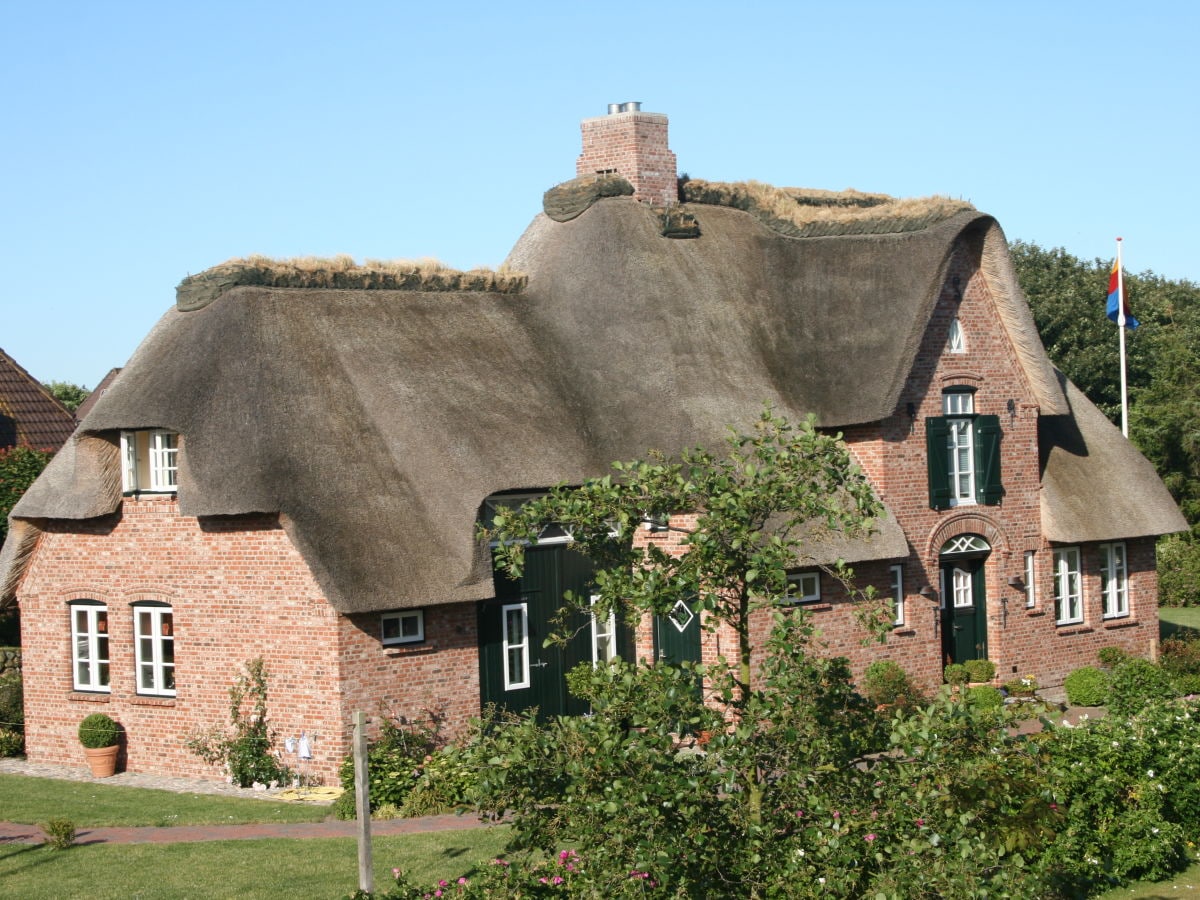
(1185, 884)
(318, 868)
(1181, 621)
(34, 800)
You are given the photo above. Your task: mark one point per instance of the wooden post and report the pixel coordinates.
(362, 797)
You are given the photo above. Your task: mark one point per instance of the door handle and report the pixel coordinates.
(540, 664)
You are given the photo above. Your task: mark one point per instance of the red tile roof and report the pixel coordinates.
(29, 414)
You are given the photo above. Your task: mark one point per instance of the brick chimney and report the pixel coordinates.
(632, 144)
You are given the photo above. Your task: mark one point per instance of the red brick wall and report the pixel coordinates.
(634, 144)
(238, 589)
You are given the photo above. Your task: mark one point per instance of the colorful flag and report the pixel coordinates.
(1116, 298)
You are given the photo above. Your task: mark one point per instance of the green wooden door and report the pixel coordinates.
(677, 635)
(516, 669)
(964, 615)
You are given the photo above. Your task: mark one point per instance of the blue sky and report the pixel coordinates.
(141, 142)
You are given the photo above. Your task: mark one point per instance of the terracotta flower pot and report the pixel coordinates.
(102, 760)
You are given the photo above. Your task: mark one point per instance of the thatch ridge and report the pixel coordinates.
(807, 212)
(343, 273)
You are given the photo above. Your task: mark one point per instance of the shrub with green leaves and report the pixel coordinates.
(956, 673)
(1136, 682)
(395, 761)
(12, 743)
(985, 696)
(1111, 657)
(1087, 686)
(980, 670)
(885, 682)
(98, 730)
(1180, 656)
(60, 833)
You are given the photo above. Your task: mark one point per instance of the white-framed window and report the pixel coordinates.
(963, 588)
(154, 643)
(1114, 580)
(405, 627)
(150, 461)
(897, 573)
(956, 343)
(514, 618)
(89, 646)
(604, 636)
(959, 409)
(1068, 586)
(804, 587)
(1030, 580)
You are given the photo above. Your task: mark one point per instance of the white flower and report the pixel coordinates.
(1150, 772)
(821, 880)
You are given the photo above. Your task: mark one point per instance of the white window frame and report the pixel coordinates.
(1114, 579)
(958, 407)
(962, 586)
(604, 635)
(956, 342)
(804, 587)
(150, 461)
(89, 648)
(414, 618)
(1030, 579)
(897, 574)
(156, 664)
(507, 646)
(1068, 586)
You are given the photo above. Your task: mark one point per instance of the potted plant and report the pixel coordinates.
(1025, 686)
(980, 671)
(98, 733)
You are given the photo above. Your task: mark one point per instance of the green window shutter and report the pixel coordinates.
(988, 489)
(937, 434)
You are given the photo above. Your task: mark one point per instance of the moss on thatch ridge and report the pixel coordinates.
(807, 212)
(340, 272)
(565, 201)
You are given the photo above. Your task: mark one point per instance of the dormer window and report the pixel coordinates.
(150, 461)
(956, 343)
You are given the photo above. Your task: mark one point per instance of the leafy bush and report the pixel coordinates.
(1187, 685)
(1026, 684)
(1087, 686)
(1110, 657)
(12, 701)
(1135, 683)
(447, 782)
(60, 833)
(1180, 656)
(984, 696)
(885, 682)
(1179, 570)
(980, 670)
(395, 762)
(1128, 791)
(956, 673)
(246, 753)
(12, 743)
(98, 730)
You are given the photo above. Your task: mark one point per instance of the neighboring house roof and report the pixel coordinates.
(377, 421)
(99, 391)
(1096, 486)
(29, 414)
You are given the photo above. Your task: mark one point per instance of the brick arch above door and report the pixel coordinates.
(967, 523)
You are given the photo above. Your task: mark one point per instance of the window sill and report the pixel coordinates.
(1123, 622)
(1074, 628)
(903, 631)
(811, 606)
(1034, 612)
(141, 700)
(410, 650)
(88, 697)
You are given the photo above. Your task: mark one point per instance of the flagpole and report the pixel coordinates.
(1121, 332)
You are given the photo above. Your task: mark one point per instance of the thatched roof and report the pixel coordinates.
(1096, 486)
(375, 422)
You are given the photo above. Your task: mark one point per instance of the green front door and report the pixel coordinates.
(516, 669)
(677, 635)
(964, 615)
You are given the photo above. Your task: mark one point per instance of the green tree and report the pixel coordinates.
(1067, 296)
(19, 466)
(68, 394)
